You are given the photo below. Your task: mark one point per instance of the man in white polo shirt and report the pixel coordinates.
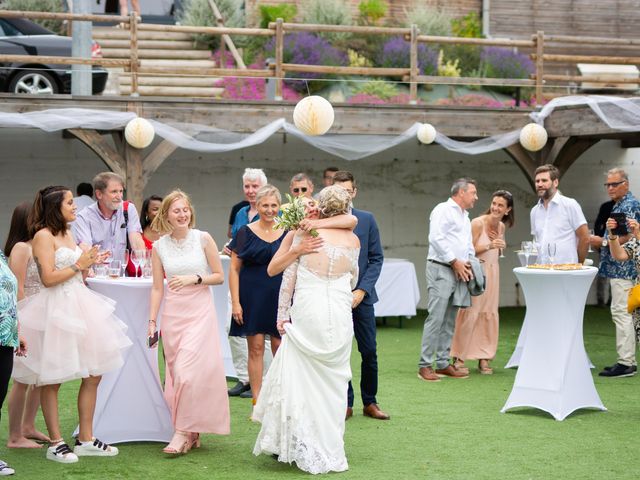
(557, 220)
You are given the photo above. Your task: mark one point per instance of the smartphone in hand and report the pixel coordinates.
(621, 220)
(152, 340)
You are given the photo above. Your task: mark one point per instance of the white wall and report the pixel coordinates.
(400, 186)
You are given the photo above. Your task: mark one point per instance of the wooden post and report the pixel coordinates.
(133, 30)
(279, 57)
(539, 66)
(413, 65)
(135, 180)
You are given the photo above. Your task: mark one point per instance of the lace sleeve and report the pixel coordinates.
(287, 287)
(355, 271)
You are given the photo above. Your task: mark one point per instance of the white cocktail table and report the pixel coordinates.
(553, 373)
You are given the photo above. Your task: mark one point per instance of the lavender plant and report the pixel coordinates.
(308, 49)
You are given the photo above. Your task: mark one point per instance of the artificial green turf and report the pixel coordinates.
(452, 429)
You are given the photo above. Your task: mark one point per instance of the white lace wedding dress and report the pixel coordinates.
(303, 400)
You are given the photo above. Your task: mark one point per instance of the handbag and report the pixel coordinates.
(633, 300)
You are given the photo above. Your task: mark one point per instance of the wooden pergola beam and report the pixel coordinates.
(96, 142)
(128, 162)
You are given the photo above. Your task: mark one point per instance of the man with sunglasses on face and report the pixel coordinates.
(301, 185)
(621, 275)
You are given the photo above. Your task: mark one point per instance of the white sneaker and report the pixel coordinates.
(5, 469)
(60, 452)
(94, 449)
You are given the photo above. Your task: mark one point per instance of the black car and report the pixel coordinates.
(19, 36)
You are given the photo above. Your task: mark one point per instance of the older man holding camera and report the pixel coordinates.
(622, 275)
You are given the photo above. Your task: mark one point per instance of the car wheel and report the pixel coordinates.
(36, 82)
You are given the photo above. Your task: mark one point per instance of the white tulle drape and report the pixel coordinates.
(618, 113)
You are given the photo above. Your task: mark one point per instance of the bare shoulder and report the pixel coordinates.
(21, 249)
(478, 221)
(43, 235)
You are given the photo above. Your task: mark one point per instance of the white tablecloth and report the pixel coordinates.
(397, 288)
(130, 404)
(553, 374)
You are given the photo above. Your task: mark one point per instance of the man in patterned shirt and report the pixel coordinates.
(621, 275)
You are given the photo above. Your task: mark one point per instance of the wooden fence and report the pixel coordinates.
(538, 45)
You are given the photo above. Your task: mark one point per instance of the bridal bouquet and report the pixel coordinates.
(292, 214)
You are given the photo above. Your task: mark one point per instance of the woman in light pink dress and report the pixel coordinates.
(195, 384)
(476, 331)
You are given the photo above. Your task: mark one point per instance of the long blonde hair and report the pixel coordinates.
(161, 223)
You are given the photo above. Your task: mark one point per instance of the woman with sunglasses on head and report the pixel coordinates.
(476, 331)
(73, 331)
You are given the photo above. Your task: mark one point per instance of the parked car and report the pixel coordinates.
(19, 36)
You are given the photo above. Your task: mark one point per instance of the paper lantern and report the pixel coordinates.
(139, 133)
(426, 133)
(313, 115)
(533, 137)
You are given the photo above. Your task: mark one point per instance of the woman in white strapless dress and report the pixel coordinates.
(303, 399)
(72, 331)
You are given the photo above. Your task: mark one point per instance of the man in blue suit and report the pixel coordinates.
(364, 296)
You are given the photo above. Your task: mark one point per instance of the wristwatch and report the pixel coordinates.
(605, 242)
(199, 279)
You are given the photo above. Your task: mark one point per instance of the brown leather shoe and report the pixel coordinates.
(372, 410)
(427, 373)
(450, 371)
(349, 413)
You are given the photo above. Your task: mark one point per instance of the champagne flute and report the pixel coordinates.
(135, 259)
(526, 249)
(501, 250)
(551, 250)
(125, 261)
(591, 233)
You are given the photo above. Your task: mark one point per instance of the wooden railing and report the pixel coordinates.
(278, 69)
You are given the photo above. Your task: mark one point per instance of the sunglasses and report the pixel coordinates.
(503, 193)
(301, 189)
(613, 184)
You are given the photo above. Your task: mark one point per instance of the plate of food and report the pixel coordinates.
(558, 266)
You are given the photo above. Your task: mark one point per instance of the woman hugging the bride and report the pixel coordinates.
(303, 399)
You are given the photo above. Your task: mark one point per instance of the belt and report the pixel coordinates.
(439, 263)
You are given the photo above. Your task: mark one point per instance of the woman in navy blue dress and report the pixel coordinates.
(254, 295)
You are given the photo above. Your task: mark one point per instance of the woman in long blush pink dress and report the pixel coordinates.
(195, 384)
(476, 331)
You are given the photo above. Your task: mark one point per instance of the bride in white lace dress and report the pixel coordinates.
(302, 402)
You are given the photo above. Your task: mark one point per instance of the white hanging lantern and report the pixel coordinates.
(139, 133)
(533, 137)
(313, 115)
(426, 133)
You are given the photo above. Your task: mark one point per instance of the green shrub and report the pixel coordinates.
(430, 21)
(270, 13)
(468, 26)
(198, 13)
(372, 11)
(54, 6)
(377, 88)
(328, 12)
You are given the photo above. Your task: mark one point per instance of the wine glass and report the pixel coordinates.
(591, 233)
(527, 247)
(142, 258)
(501, 250)
(551, 250)
(125, 261)
(136, 257)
